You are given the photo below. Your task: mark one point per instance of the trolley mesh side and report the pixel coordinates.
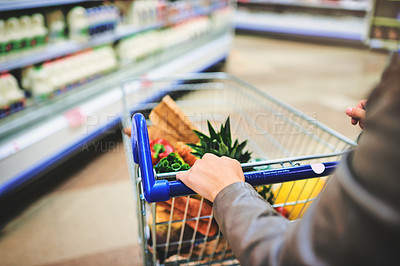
(273, 130)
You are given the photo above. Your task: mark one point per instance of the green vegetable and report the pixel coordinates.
(157, 149)
(220, 144)
(266, 193)
(172, 163)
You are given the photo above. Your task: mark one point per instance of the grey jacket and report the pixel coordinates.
(355, 220)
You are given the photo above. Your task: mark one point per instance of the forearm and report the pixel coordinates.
(253, 229)
(347, 225)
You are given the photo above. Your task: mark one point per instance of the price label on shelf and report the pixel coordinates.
(146, 83)
(75, 117)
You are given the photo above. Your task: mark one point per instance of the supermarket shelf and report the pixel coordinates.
(336, 5)
(384, 44)
(8, 5)
(51, 51)
(57, 138)
(349, 29)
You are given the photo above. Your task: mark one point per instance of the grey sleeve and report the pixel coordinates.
(355, 220)
(347, 225)
(252, 227)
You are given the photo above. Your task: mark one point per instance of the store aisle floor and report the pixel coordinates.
(89, 219)
(320, 80)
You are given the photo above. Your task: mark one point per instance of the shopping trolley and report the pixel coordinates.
(293, 158)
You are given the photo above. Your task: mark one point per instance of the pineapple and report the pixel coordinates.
(220, 144)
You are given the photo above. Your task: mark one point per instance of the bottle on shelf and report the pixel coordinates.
(56, 23)
(78, 24)
(3, 38)
(20, 34)
(91, 14)
(13, 34)
(57, 76)
(12, 98)
(26, 79)
(102, 19)
(25, 23)
(41, 84)
(144, 13)
(38, 29)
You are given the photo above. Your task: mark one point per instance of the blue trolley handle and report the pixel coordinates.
(162, 190)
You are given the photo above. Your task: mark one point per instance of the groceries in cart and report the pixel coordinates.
(176, 144)
(286, 155)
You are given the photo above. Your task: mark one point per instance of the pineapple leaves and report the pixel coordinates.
(220, 143)
(213, 134)
(201, 136)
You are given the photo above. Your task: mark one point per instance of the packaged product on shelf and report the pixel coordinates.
(186, 31)
(3, 38)
(58, 76)
(145, 13)
(56, 22)
(26, 79)
(26, 32)
(102, 19)
(138, 47)
(38, 29)
(13, 35)
(12, 98)
(18, 34)
(41, 87)
(106, 59)
(394, 34)
(78, 24)
(221, 19)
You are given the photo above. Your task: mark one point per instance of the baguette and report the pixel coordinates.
(168, 116)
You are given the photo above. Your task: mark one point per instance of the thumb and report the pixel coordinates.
(181, 175)
(356, 113)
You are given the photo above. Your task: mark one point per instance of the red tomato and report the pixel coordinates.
(282, 211)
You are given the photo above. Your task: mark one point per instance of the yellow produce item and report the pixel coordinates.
(297, 191)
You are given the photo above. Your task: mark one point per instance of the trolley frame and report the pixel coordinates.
(151, 188)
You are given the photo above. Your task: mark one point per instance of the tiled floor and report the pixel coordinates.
(89, 219)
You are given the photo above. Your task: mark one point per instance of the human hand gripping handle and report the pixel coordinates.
(357, 113)
(211, 174)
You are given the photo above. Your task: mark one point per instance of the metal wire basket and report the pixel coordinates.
(293, 157)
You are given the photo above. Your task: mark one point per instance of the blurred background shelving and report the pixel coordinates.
(336, 20)
(65, 78)
(384, 25)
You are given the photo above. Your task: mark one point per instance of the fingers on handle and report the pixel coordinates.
(362, 104)
(208, 156)
(128, 131)
(355, 113)
(182, 175)
(358, 113)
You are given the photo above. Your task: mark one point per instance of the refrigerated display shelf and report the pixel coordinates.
(54, 50)
(41, 110)
(362, 6)
(384, 44)
(349, 29)
(38, 147)
(51, 51)
(8, 5)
